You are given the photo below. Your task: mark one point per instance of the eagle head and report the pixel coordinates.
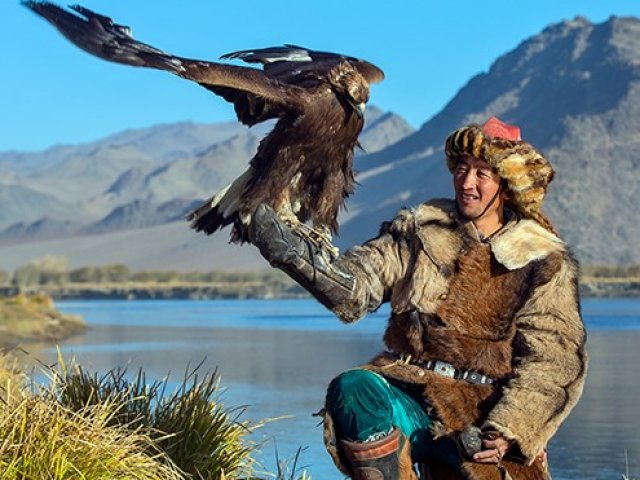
(350, 85)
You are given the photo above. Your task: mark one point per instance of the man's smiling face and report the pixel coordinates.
(475, 185)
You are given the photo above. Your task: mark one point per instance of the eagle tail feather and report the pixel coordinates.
(223, 208)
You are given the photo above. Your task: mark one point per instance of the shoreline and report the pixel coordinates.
(28, 318)
(610, 288)
(169, 291)
(589, 288)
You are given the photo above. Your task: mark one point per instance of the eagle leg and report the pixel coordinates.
(319, 236)
(324, 238)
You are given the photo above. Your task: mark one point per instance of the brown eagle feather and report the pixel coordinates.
(304, 165)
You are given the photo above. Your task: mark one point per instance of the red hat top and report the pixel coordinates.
(496, 128)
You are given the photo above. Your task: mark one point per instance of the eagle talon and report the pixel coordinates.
(318, 238)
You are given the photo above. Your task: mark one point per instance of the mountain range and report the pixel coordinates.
(109, 201)
(574, 89)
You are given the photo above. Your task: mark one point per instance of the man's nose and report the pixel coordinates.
(469, 179)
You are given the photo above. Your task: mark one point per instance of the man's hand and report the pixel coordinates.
(495, 446)
(542, 458)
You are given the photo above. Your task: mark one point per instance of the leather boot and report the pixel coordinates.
(386, 459)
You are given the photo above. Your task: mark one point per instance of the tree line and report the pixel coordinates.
(53, 271)
(611, 271)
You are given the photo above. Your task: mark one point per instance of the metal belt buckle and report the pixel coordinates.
(445, 369)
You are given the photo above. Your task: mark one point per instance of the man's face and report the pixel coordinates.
(475, 185)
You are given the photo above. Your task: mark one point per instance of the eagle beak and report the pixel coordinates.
(358, 107)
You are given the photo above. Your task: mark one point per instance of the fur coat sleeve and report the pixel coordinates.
(377, 266)
(550, 364)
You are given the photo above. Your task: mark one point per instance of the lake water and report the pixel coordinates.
(277, 357)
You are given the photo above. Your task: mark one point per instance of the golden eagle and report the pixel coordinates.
(303, 167)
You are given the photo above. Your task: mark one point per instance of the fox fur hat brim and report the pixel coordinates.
(526, 171)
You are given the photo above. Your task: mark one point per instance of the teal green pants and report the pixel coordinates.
(365, 406)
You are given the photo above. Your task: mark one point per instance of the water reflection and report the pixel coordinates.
(277, 357)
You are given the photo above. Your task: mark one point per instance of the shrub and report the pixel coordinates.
(611, 271)
(5, 278)
(44, 440)
(156, 276)
(108, 427)
(26, 276)
(105, 273)
(195, 431)
(49, 269)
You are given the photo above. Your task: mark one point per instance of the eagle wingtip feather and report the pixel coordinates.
(33, 5)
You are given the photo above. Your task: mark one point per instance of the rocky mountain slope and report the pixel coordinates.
(574, 89)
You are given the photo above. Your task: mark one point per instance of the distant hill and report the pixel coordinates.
(162, 143)
(142, 213)
(21, 202)
(42, 229)
(131, 181)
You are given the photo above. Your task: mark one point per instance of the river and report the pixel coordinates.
(276, 357)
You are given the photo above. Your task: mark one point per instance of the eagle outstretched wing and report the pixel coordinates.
(256, 95)
(303, 167)
(291, 61)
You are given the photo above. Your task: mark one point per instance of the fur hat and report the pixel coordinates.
(526, 172)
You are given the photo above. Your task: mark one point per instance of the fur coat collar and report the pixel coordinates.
(518, 243)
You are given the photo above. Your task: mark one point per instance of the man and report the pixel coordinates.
(485, 342)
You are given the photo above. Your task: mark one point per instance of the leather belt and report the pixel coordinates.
(447, 370)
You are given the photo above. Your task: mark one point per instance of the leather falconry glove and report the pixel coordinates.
(307, 264)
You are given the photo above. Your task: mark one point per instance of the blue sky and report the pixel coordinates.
(53, 93)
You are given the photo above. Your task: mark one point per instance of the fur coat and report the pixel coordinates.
(506, 307)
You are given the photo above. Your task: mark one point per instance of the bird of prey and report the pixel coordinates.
(303, 167)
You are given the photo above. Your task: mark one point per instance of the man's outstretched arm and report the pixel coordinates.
(350, 285)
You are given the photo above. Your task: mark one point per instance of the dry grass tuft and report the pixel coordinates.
(118, 426)
(41, 439)
(190, 425)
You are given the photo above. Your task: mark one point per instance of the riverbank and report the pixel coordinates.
(181, 290)
(610, 288)
(27, 318)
